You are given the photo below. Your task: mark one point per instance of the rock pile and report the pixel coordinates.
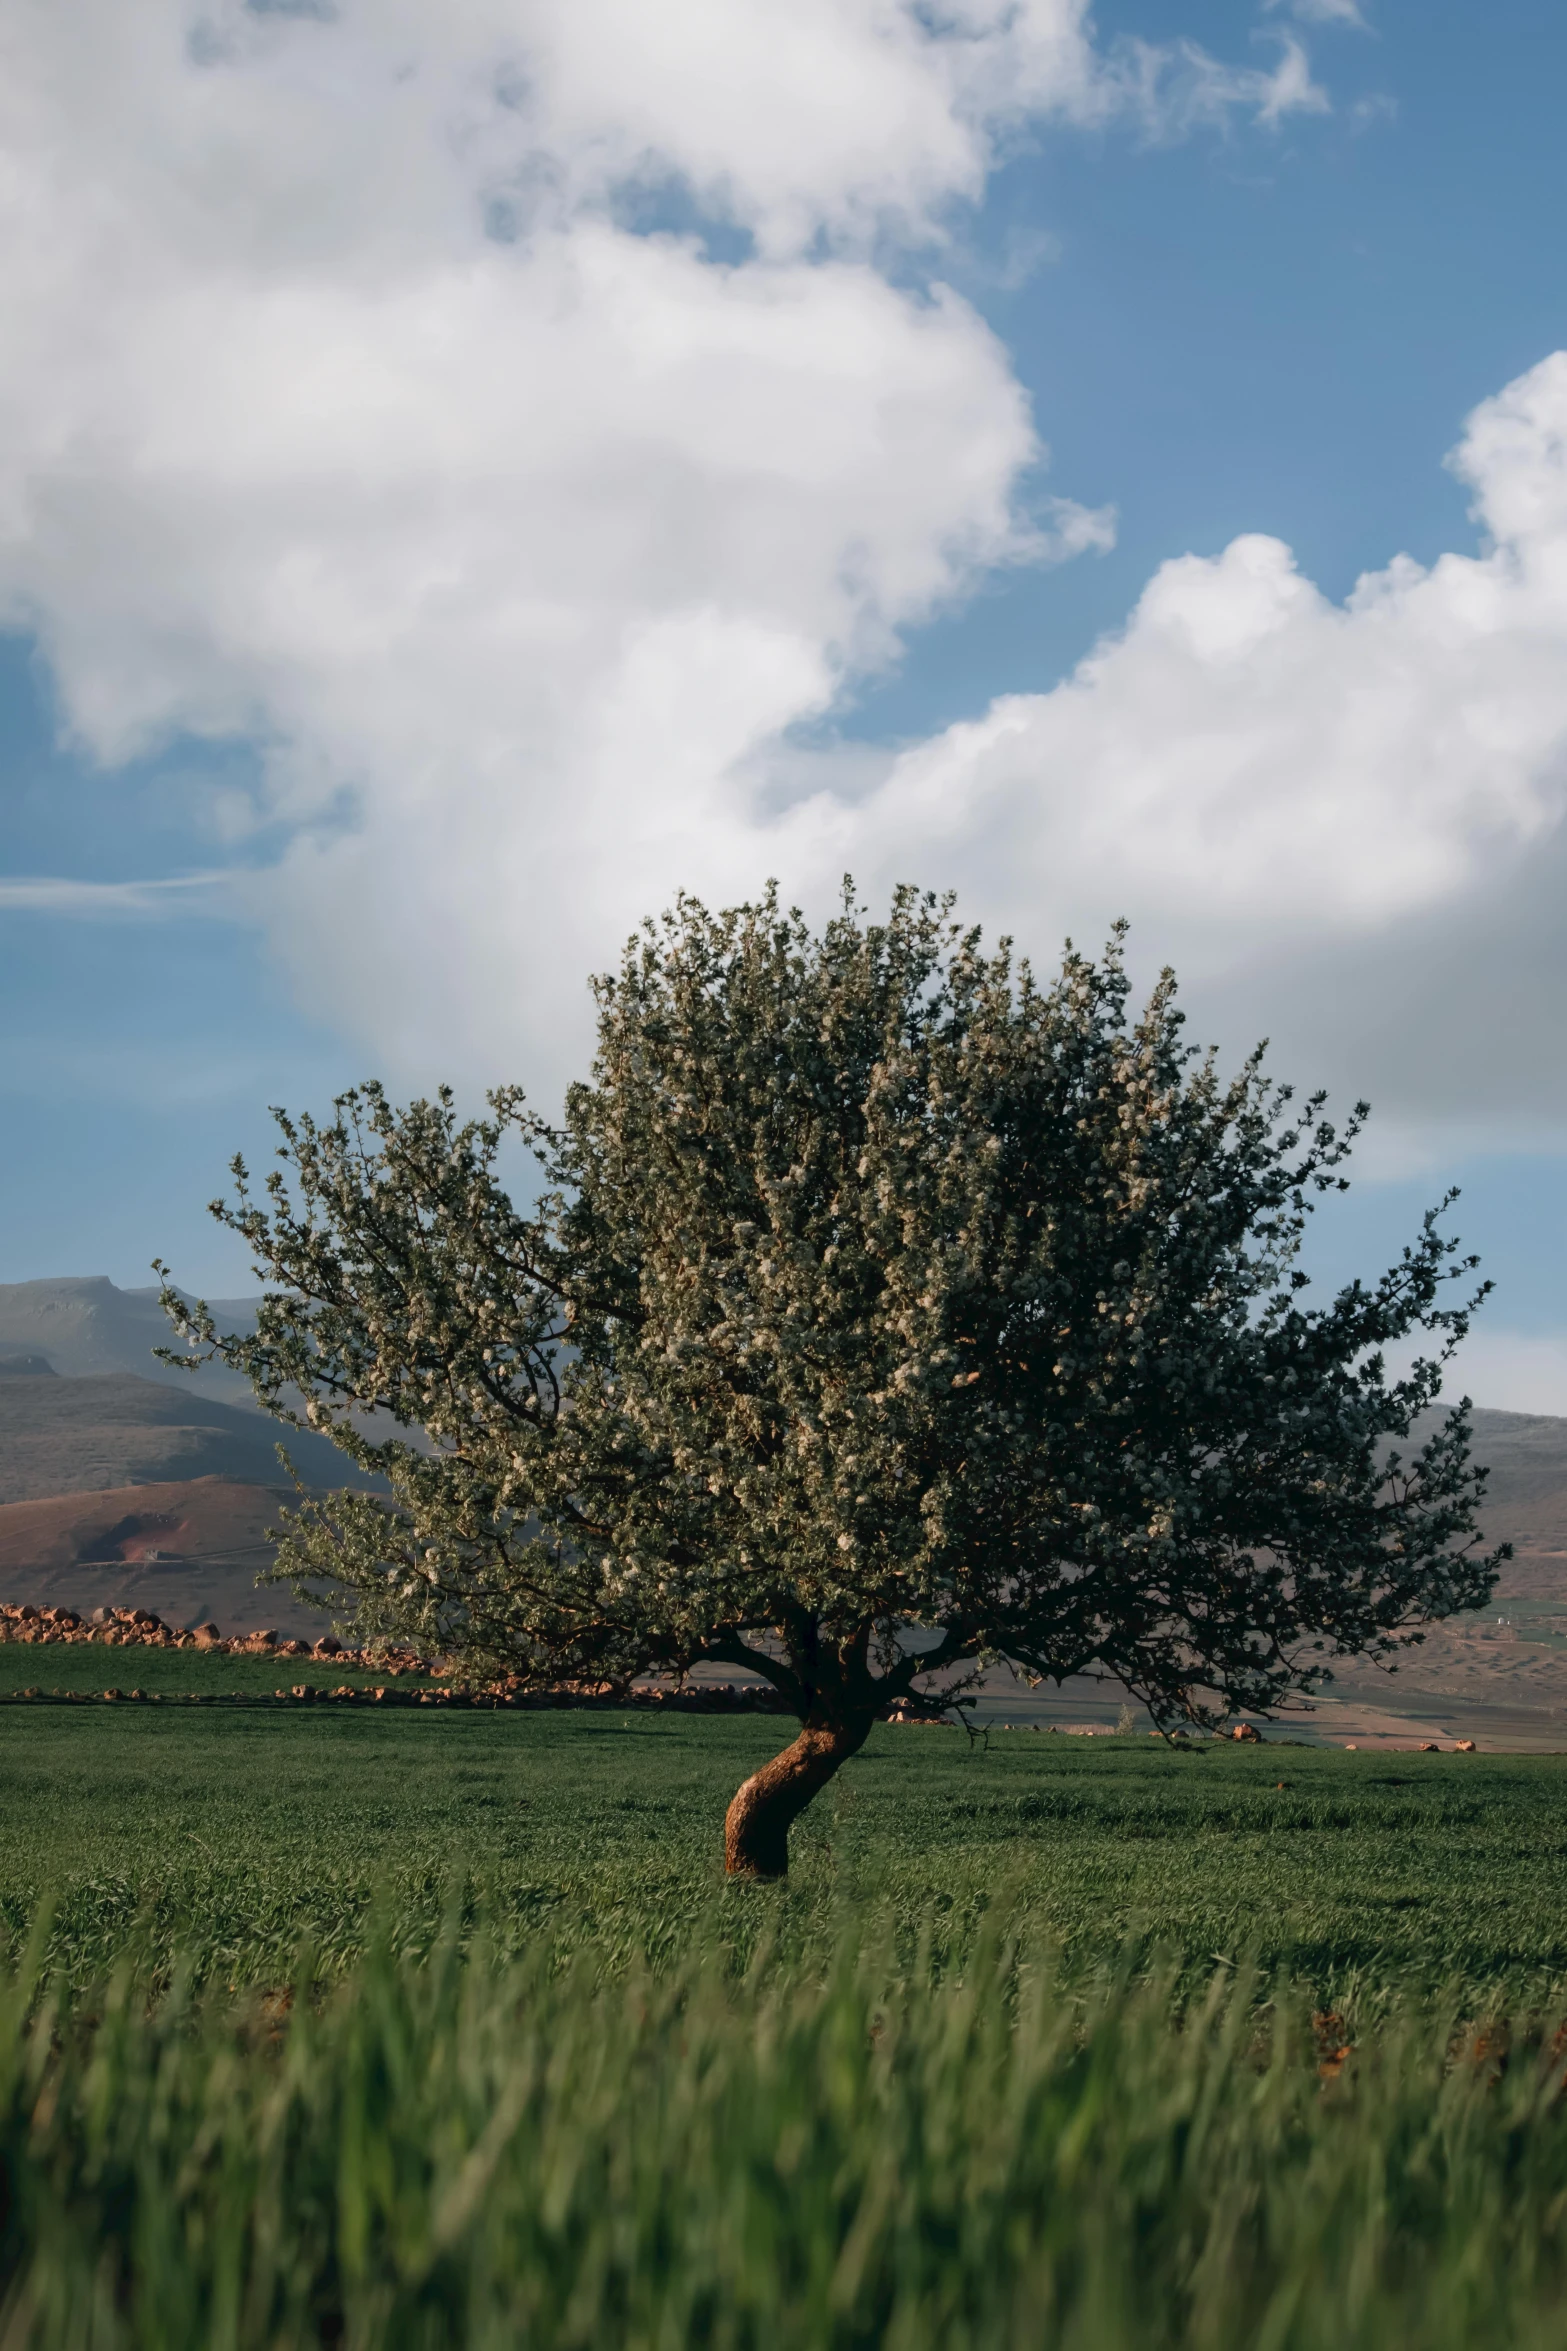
(127, 1628)
(139, 1628)
(703, 1698)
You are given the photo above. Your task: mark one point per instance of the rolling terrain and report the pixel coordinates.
(108, 1457)
(83, 1326)
(126, 1483)
(78, 1436)
(1499, 1676)
(189, 1551)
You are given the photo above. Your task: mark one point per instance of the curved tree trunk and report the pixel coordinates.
(766, 1806)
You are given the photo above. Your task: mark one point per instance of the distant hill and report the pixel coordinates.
(1526, 1494)
(77, 1436)
(122, 1491)
(188, 1550)
(123, 1481)
(82, 1326)
(92, 1424)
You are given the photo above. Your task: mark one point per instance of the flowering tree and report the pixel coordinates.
(873, 1287)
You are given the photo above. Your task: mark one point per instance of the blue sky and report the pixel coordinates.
(449, 636)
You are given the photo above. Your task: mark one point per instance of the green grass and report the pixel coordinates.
(247, 1828)
(348, 2028)
(854, 2155)
(87, 1669)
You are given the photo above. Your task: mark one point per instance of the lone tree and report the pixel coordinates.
(876, 1295)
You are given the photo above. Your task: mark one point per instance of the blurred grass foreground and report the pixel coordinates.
(471, 2150)
(328, 2028)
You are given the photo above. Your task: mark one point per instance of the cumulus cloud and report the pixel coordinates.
(508, 417)
(355, 402)
(1344, 821)
(1242, 733)
(350, 405)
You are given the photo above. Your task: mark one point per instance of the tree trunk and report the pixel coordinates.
(765, 1807)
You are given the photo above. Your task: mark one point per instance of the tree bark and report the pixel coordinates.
(766, 1806)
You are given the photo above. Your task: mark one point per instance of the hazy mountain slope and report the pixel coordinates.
(189, 1551)
(1499, 1673)
(1526, 1496)
(86, 1410)
(84, 1325)
(74, 1436)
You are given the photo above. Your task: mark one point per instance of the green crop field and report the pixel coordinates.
(253, 1825)
(87, 1670)
(329, 2026)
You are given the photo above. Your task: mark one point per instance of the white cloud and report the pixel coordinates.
(339, 409)
(1344, 821)
(1330, 12)
(523, 553)
(55, 895)
(1244, 738)
(1176, 87)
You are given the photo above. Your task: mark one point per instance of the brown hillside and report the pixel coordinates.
(74, 1436)
(1527, 1493)
(187, 1549)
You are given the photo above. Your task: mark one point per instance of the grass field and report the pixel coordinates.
(341, 2028)
(250, 1827)
(797, 2159)
(88, 1669)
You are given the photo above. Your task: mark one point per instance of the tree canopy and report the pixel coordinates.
(872, 1292)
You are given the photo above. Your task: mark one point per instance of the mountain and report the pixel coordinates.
(125, 1481)
(1526, 1495)
(82, 1326)
(85, 1327)
(98, 1441)
(188, 1550)
(77, 1436)
(119, 1490)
